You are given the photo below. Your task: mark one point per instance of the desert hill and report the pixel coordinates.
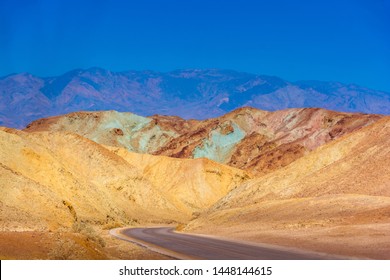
(61, 192)
(51, 180)
(336, 199)
(247, 138)
(194, 184)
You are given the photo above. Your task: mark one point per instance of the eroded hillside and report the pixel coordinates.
(194, 184)
(53, 179)
(250, 139)
(62, 188)
(335, 199)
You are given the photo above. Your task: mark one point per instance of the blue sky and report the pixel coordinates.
(344, 40)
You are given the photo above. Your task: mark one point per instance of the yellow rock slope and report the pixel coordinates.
(50, 180)
(193, 184)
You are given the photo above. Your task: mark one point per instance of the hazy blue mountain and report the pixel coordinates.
(191, 93)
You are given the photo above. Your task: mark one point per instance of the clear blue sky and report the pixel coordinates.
(341, 40)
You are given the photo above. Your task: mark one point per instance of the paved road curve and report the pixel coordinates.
(186, 246)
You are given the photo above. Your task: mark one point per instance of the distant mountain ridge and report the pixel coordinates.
(190, 93)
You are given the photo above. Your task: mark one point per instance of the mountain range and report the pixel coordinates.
(189, 94)
(309, 178)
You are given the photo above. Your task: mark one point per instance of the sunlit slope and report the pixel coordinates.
(345, 182)
(193, 184)
(55, 179)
